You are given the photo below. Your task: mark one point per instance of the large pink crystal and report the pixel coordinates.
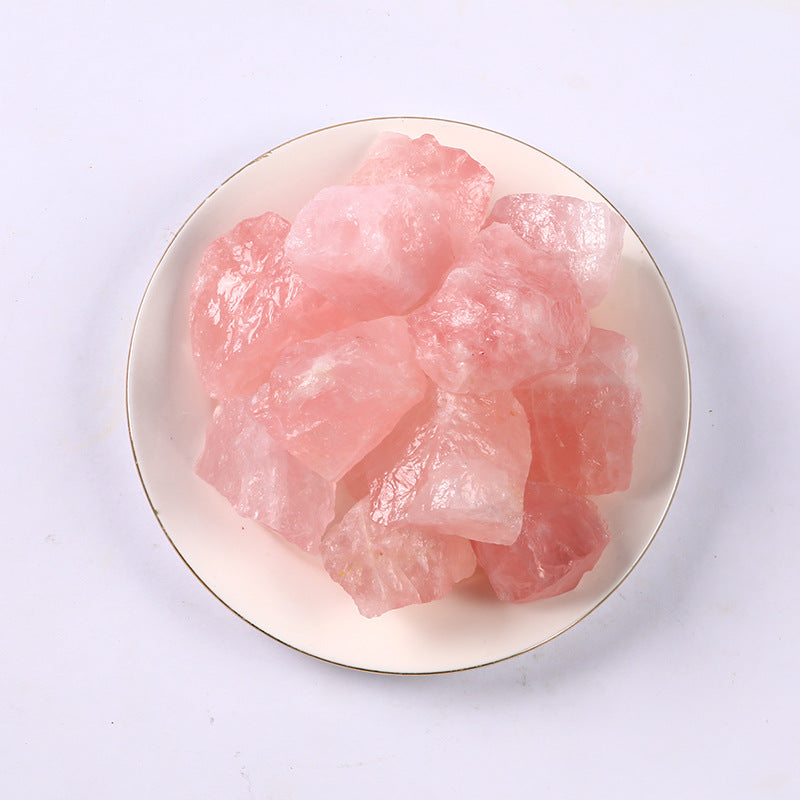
(463, 185)
(372, 250)
(386, 567)
(563, 536)
(585, 418)
(330, 400)
(261, 480)
(246, 306)
(455, 462)
(503, 314)
(588, 235)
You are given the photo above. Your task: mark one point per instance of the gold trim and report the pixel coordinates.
(392, 672)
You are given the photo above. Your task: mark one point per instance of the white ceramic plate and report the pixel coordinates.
(285, 593)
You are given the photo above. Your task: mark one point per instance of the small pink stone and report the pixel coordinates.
(463, 185)
(330, 400)
(457, 463)
(383, 568)
(563, 536)
(503, 314)
(588, 235)
(374, 251)
(585, 418)
(246, 306)
(261, 480)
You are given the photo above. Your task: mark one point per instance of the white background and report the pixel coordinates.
(120, 675)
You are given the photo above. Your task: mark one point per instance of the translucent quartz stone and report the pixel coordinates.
(386, 567)
(330, 400)
(246, 306)
(503, 314)
(588, 235)
(374, 251)
(563, 536)
(463, 185)
(585, 418)
(457, 463)
(261, 480)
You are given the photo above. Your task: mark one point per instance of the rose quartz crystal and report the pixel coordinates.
(330, 400)
(563, 536)
(585, 418)
(503, 314)
(261, 480)
(455, 462)
(463, 185)
(246, 306)
(385, 567)
(588, 235)
(372, 250)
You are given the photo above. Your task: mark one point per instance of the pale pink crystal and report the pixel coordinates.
(330, 400)
(261, 480)
(372, 250)
(563, 536)
(455, 462)
(246, 306)
(585, 418)
(386, 567)
(588, 235)
(503, 314)
(463, 185)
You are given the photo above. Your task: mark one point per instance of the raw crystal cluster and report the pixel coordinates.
(431, 366)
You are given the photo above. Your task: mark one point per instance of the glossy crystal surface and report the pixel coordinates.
(457, 463)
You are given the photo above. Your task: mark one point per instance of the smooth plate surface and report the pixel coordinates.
(282, 591)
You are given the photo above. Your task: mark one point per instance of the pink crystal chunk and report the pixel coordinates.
(588, 235)
(503, 314)
(585, 418)
(374, 251)
(383, 568)
(261, 480)
(563, 536)
(463, 185)
(455, 462)
(330, 400)
(246, 306)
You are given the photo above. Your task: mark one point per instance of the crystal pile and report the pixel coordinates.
(427, 366)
